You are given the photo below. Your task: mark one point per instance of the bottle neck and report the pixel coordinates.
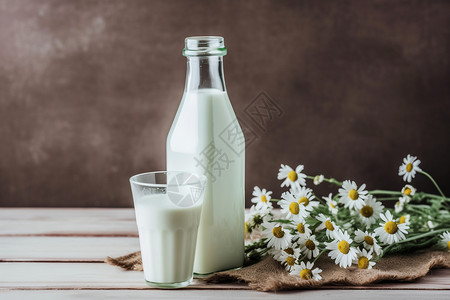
(204, 72)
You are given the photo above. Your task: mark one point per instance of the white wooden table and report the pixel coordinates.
(58, 253)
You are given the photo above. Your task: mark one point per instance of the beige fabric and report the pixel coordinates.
(269, 275)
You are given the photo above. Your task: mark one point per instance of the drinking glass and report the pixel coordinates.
(168, 207)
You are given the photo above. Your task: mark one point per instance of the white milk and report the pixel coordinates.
(167, 236)
(202, 118)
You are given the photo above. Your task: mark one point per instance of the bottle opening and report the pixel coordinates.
(204, 46)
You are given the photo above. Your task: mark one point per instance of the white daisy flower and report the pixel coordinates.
(408, 190)
(308, 245)
(363, 260)
(292, 178)
(277, 236)
(403, 219)
(400, 204)
(261, 198)
(409, 168)
(369, 241)
(341, 251)
(398, 207)
(292, 248)
(445, 240)
(318, 179)
(289, 258)
(328, 224)
(306, 271)
(370, 211)
(303, 228)
(290, 206)
(389, 231)
(306, 200)
(332, 205)
(351, 196)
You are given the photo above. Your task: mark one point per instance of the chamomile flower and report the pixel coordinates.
(303, 228)
(326, 223)
(363, 260)
(277, 236)
(305, 199)
(369, 241)
(292, 178)
(308, 245)
(332, 205)
(408, 190)
(318, 179)
(409, 168)
(261, 198)
(398, 207)
(351, 196)
(292, 248)
(389, 231)
(370, 211)
(290, 206)
(289, 258)
(403, 219)
(445, 240)
(341, 251)
(306, 271)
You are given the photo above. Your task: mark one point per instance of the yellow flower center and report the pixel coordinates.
(329, 225)
(409, 167)
(301, 228)
(292, 176)
(293, 208)
(332, 205)
(344, 246)
(391, 227)
(306, 274)
(402, 220)
(246, 227)
(290, 260)
(289, 251)
(368, 239)
(448, 245)
(353, 194)
(363, 262)
(407, 191)
(278, 232)
(310, 245)
(366, 211)
(303, 200)
(263, 198)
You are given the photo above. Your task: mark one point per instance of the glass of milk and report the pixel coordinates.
(168, 206)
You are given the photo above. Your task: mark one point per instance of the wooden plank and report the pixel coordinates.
(65, 248)
(26, 275)
(219, 295)
(57, 213)
(67, 222)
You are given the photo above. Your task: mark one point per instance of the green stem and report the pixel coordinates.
(330, 180)
(387, 198)
(321, 252)
(384, 192)
(434, 182)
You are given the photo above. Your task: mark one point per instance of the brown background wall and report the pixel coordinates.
(88, 90)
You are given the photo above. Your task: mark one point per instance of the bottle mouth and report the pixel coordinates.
(204, 46)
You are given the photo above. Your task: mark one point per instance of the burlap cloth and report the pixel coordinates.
(269, 275)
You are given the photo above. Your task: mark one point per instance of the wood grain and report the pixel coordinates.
(220, 294)
(63, 248)
(67, 222)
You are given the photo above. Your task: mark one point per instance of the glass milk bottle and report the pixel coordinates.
(206, 138)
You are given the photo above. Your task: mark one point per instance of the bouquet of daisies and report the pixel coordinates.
(352, 226)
